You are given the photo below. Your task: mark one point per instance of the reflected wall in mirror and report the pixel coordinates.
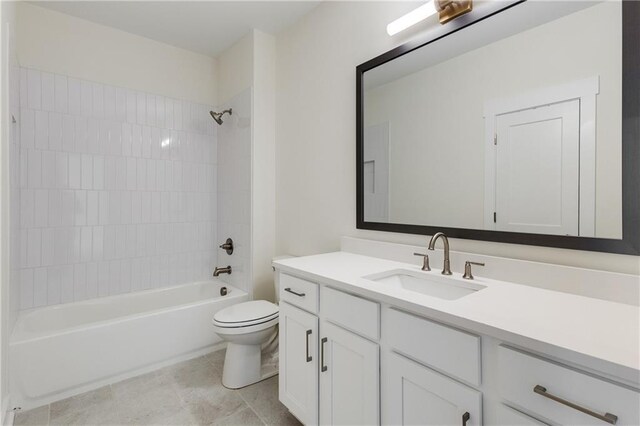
(511, 124)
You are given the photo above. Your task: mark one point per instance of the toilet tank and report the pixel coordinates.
(276, 283)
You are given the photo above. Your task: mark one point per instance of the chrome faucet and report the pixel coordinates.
(225, 270)
(446, 269)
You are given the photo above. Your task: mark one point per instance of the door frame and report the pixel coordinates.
(585, 91)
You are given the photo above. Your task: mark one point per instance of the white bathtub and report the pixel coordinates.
(59, 351)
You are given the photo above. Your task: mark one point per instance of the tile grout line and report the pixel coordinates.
(252, 409)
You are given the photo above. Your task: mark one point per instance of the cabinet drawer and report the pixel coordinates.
(521, 373)
(508, 416)
(354, 313)
(451, 351)
(299, 292)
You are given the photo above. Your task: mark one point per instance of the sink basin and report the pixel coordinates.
(430, 284)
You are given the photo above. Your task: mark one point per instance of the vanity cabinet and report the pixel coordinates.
(299, 363)
(349, 378)
(417, 395)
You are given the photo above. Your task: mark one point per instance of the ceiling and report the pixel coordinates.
(207, 27)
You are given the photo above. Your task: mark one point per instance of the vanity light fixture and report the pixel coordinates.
(412, 18)
(446, 10)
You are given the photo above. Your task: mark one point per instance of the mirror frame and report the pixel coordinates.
(630, 242)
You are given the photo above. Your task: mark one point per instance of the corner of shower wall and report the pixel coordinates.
(234, 189)
(116, 190)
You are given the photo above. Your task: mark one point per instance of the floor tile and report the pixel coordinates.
(37, 416)
(96, 398)
(245, 417)
(262, 397)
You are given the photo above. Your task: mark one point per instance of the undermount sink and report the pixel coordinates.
(430, 284)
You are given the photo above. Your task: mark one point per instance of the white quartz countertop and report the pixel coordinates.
(596, 334)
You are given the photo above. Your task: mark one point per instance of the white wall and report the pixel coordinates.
(59, 43)
(315, 134)
(424, 112)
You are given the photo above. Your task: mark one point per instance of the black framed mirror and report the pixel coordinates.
(516, 123)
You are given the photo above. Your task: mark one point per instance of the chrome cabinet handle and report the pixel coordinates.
(309, 358)
(294, 292)
(607, 417)
(323, 367)
(465, 418)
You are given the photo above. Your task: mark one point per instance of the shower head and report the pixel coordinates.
(217, 116)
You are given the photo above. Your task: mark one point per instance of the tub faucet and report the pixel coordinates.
(225, 270)
(446, 269)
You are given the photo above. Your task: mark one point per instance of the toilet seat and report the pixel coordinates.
(246, 317)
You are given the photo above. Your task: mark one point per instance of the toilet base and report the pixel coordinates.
(243, 366)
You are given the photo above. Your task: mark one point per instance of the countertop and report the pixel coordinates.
(596, 334)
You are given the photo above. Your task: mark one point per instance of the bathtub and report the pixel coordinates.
(59, 351)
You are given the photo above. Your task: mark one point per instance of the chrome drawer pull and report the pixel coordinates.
(294, 292)
(465, 418)
(323, 367)
(309, 358)
(608, 417)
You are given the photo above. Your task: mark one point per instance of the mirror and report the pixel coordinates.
(510, 125)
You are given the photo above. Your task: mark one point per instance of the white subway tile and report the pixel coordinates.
(146, 141)
(96, 143)
(104, 208)
(97, 92)
(125, 204)
(55, 131)
(160, 175)
(26, 288)
(156, 207)
(177, 115)
(27, 208)
(75, 96)
(115, 138)
(73, 246)
(109, 102)
(92, 280)
(115, 207)
(103, 279)
(80, 208)
(27, 128)
(145, 207)
(24, 87)
(98, 172)
(120, 241)
(67, 203)
(41, 208)
(151, 175)
(98, 243)
(131, 174)
(75, 171)
(48, 169)
(87, 172)
(55, 208)
(23, 248)
(121, 173)
(168, 112)
(61, 94)
(125, 276)
(86, 98)
(136, 140)
(40, 278)
(54, 283)
(109, 242)
(160, 113)
(81, 134)
(131, 241)
(68, 133)
(114, 277)
(126, 139)
(42, 129)
(141, 104)
(48, 246)
(48, 90)
(141, 240)
(110, 173)
(136, 207)
(34, 89)
(141, 167)
(93, 208)
(79, 282)
(34, 165)
(34, 245)
(62, 170)
(66, 289)
(86, 244)
(121, 105)
(131, 106)
(151, 110)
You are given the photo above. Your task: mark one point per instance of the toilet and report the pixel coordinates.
(247, 327)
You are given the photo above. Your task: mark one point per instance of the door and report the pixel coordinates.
(376, 173)
(417, 395)
(349, 378)
(537, 170)
(298, 380)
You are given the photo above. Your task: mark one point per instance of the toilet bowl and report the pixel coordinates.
(246, 327)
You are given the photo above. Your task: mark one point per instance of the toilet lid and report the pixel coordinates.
(246, 312)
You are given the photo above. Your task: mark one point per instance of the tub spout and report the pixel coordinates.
(225, 270)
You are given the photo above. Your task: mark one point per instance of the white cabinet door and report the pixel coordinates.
(349, 378)
(299, 363)
(537, 170)
(416, 395)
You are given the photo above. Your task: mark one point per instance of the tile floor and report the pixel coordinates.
(188, 393)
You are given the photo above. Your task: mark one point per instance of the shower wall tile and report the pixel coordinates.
(115, 190)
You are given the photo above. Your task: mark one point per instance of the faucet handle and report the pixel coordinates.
(467, 269)
(425, 261)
